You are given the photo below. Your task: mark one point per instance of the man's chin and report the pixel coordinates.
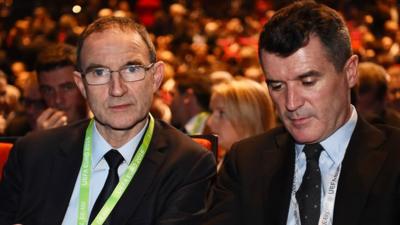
(303, 136)
(120, 126)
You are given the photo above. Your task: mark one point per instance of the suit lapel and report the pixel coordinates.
(134, 193)
(66, 165)
(279, 187)
(361, 164)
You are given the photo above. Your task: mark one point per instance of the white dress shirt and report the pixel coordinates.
(330, 160)
(100, 171)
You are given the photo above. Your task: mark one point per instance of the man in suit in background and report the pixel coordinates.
(327, 165)
(122, 167)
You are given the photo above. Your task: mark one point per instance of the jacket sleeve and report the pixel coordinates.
(224, 198)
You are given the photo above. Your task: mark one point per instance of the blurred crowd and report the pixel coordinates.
(213, 40)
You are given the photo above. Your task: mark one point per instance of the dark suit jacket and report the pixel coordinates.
(255, 183)
(169, 187)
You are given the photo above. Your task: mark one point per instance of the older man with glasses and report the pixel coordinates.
(121, 167)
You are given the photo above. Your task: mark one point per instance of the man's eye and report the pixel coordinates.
(308, 82)
(46, 90)
(68, 86)
(275, 86)
(99, 72)
(131, 69)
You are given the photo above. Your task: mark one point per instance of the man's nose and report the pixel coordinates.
(58, 97)
(294, 99)
(118, 85)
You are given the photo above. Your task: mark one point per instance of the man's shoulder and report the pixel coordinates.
(276, 140)
(263, 140)
(168, 137)
(46, 138)
(173, 149)
(59, 131)
(385, 130)
(368, 135)
(388, 131)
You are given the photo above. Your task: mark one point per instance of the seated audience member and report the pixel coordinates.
(33, 106)
(159, 109)
(55, 66)
(190, 100)
(122, 167)
(372, 94)
(220, 76)
(394, 86)
(239, 109)
(9, 96)
(326, 164)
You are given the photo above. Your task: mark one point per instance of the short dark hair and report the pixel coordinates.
(372, 78)
(122, 23)
(199, 83)
(292, 26)
(55, 56)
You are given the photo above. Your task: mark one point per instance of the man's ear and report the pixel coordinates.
(351, 70)
(158, 75)
(79, 82)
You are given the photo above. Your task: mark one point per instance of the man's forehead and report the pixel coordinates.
(55, 78)
(129, 35)
(292, 67)
(108, 42)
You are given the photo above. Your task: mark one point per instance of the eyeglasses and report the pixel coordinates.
(129, 73)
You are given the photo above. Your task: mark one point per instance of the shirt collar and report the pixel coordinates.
(196, 124)
(100, 146)
(336, 144)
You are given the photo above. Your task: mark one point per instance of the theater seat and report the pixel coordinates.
(6, 143)
(4, 152)
(208, 141)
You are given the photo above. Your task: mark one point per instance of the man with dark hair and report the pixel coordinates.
(394, 87)
(326, 165)
(55, 68)
(372, 95)
(189, 107)
(121, 167)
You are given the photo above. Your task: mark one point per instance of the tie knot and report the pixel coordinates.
(313, 151)
(113, 158)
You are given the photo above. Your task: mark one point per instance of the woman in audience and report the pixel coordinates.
(240, 108)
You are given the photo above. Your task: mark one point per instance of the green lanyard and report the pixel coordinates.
(86, 170)
(198, 123)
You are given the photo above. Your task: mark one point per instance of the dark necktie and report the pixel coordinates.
(309, 194)
(114, 159)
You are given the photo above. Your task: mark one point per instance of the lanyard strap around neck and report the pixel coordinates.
(86, 170)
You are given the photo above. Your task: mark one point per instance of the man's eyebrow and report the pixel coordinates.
(133, 62)
(269, 81)
(311, 73)
(93, 66)
(128, 63)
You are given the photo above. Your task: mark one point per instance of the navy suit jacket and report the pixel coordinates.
(255, 183)
(169, 187)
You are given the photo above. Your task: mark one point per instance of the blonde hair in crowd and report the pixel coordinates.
(248, 105)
